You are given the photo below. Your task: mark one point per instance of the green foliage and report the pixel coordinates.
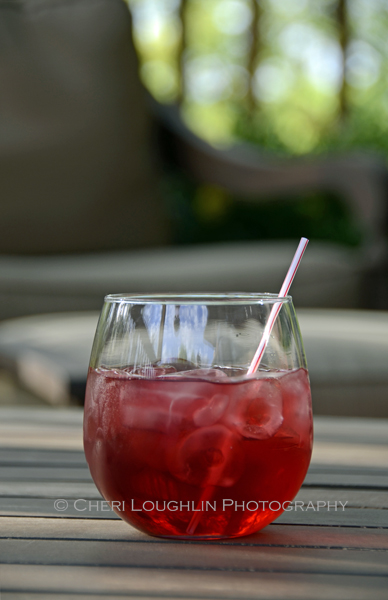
(364, 129)
(299, 95)
(207, 214)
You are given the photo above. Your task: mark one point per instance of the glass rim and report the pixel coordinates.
(200, 298)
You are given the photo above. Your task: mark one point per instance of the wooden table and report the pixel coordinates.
(48, 553)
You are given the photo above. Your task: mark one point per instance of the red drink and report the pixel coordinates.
(198, 454)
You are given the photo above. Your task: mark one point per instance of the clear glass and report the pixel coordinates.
(179, 439)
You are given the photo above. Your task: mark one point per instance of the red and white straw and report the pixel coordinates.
(277, 306)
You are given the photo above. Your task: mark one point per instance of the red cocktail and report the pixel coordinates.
(201, 453)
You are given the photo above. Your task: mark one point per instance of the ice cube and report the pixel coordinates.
(208, 456)
(296, 392)
(257, 409)
(204, 374)
(161, 412)
(150, 371)
(286, 438)
(178, 364)
(212, 411)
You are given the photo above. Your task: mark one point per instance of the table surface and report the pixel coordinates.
(336, 553)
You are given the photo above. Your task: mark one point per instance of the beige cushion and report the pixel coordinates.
(347, 355)
(329, 276)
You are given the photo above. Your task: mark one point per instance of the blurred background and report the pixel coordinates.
(187, 145)
(294, 77)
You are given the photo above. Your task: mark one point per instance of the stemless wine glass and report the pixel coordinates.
(179, 439)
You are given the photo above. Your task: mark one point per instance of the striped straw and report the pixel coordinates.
(277, 306)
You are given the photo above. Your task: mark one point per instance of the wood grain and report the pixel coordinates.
(273, 535)
(175, 584)
(331, 553)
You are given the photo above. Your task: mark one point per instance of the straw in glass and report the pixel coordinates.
(277, 306)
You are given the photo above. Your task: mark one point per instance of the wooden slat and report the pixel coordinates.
(15, 436)
(41, 457)
(363, 479)
(350, 499)
(272, 535)
(373, 431)
(198, 556)
(44, 474)
(58, 596)
(48, 475)
(174, 584)
(352, 454)
(349, 518)
(365, 459)
(44, 507)
(41, 428)
(353, 517)
(360, 479)
(318, 474)
(18, 457)
(344, 469)
(343, 429)
(16, 424)
(26, 489)
(66, 417)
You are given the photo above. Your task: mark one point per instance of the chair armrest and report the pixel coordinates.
(360, 178)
